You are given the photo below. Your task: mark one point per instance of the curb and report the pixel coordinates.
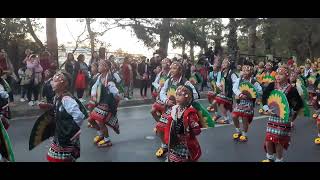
(123, 103)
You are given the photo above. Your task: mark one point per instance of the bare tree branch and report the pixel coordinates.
(33, 34)
(78, 38)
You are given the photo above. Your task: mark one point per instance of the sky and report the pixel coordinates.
(118, 38)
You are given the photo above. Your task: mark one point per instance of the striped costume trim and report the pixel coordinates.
(57, 153)
(245, 107)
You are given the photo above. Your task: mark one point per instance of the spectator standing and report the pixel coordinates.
(33, 64)
(70, 68)
(82, 76)
(143, 70)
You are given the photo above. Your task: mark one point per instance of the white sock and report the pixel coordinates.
(270, 156)
(99, 133)
(244, 133)
(279, 160)
(164, 146)
(238, 130)
(318, 134)
(106, 139)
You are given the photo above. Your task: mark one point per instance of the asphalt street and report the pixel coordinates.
(138, 143)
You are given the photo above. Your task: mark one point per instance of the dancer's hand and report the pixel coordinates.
(170, 103)
(243, 96)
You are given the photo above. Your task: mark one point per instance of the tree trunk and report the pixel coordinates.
(192, 51)
(7, 34)
(217, 41)
(33, 34)
(52, 41)
(165, 35)
(252, 36)
(184, 48)
(204, 47)
(310, 44)
(232, 40)
(91, 34)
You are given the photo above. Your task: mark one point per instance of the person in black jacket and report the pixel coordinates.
(70, 67)
(68, 118)
(143, 70)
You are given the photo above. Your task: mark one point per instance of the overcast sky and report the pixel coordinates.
(118, 38)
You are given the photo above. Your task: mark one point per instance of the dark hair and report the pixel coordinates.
(109, 64)
(33, 56)
(69, 55)
(67, 76)
(184, 56)
(102, 52)
(94, 64)
(80, 56)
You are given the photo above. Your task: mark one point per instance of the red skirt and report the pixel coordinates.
(101, 114)
(243, 115)
(160, 127)
(211, 96)
(226, 102)
(57, 153)
(283, 140)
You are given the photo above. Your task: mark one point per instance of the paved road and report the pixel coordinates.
(137, 143)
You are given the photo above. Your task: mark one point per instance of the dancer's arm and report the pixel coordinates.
(194, 124)
(163, 95)
(155, 83)
(72, 108)
(258, 88)
(235, 87)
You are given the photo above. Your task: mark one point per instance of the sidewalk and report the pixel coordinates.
(22, 109)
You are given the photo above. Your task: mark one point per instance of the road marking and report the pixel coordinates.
(150, 137)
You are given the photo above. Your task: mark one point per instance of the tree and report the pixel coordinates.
(147, 30)
(252, 23)
(105, 24)
(52, 41)
(91, 34)
(164, 35)
(33, 34)
(232, 39)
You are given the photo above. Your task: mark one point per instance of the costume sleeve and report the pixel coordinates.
(234, 78)
(235, 87)
(163, 96)
(219, 78)
(211, 75)
(258, 88)
(194, 91)
(117, 77)
(155, 83)
(3, 93)
(94, 87)
(113, 89)
(194, 126)
(72, 108)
